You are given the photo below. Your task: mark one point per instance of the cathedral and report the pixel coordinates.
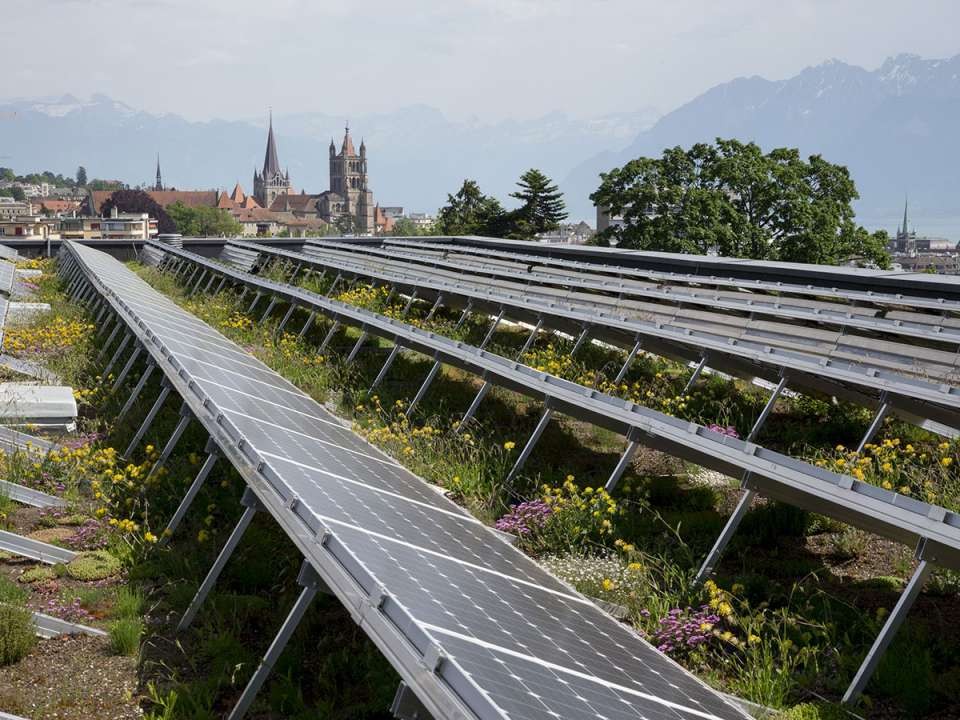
(348, 203)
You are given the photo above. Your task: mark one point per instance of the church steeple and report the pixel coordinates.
(906, 231)
(159, 183)
(347, 147)
(271, 165)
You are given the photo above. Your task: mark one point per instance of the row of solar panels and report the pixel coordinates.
(907, 321)
(856, 284)
(475, 627)
(828, 333)
(922, 401)
(773, 474)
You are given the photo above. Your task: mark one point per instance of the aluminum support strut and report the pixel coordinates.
(581, 339)
(306, 326)
(746, 498)
(116, 356)
(329, 336)
(213, 454)
(197, 285)
(333, 285)
(138, 388)
(111, 318)
(128, 366)
(492, 330)
(311, 584)
(464, 315)
(386, 367)
(877, 421)
(423, 387)
(406, 308)
(206, 288)
(628, 362)
(767, 409)
(528, 448)
(148, 420)
(696, 374)
(357, 345)
(253, 304)
(250, 504)
(286, 317)
(890, 627)
(185, 417)
(471, 411)
(530, 338)
(622, 464)
(110, 339)
(270, 307)
(733, 522)
(436, 306)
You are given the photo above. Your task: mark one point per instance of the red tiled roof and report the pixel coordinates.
(248, 203)
(238, 196)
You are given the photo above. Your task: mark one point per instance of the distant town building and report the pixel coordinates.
(10, 208)
(423, 221)
(570, 234)
(349, 194)
(118, 226)
(271, 182)
(907, 242)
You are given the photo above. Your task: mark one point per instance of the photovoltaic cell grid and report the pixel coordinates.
(856, 284)
(668, 302)
(862, 504)
(8, 253)
(7, 273)
(917, 395)
(515, 642)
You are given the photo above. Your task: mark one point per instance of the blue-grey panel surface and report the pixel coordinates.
(486, 624)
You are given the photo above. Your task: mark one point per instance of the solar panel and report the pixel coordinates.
(855, 284)
(779, 307)
(916, 399)
(7, 274)
(9, 253)
(775, 475)
(476, 627)
(929, 295)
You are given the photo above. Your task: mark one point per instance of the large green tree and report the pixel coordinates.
(470, 212)
(732, 198)
(203, 221)
(81, 176)
(137, 201)
(542, 208)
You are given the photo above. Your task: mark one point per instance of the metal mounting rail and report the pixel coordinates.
(49, 626)
(447, 668)
(34, 549)
(772, 474)
(943, 298)
(29, 496)
(914, 400)
(863, 284)
(616, 290)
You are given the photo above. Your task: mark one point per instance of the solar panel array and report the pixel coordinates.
(472, 624)
(916, 398)
(776, 475)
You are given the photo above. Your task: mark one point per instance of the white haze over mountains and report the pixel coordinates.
(895, 127)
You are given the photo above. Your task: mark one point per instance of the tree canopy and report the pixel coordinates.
(81, 176)
(731, 198)
(542, 210)
(137, 201)
(470, 212)
(203, 221)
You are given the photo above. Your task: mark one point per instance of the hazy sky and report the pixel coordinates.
(485, 58)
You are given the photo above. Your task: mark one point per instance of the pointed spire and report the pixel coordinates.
(271, 165)
(905, 203)
(159, 183)
(347, 148)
